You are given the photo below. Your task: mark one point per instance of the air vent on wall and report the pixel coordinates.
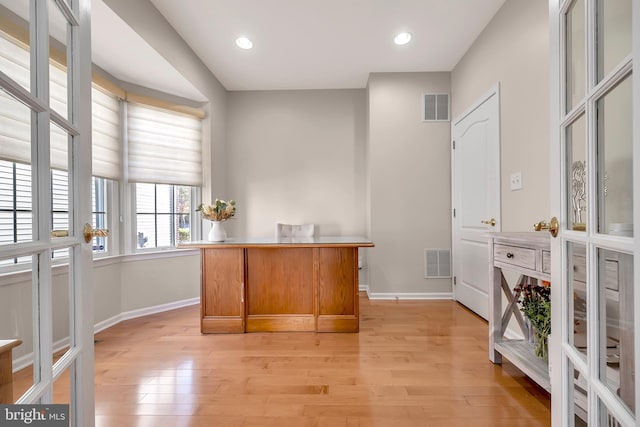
(437, 263)
(435, 107)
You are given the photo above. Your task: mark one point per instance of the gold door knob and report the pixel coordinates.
(491, 222)
(89, 232)
(552, 226)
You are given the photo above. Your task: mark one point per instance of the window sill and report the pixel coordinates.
(158, 254)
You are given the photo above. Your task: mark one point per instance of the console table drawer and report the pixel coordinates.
(522, 257)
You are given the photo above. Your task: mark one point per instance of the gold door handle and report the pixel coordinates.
(552, 226)
(491, 222)
(89, 232)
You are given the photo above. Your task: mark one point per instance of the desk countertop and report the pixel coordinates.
(301, 242)
(8, 344)
(538, 239)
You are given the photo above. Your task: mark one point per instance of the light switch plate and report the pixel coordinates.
(516, 181)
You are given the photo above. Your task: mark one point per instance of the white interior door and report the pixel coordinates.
(46, 147)
(476, 198)
(595, 134)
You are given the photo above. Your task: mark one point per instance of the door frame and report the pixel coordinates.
(493, 91)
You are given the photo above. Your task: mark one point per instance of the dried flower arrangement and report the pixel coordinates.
(219, 211)
(535, 303)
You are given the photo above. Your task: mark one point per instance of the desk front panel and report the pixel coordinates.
(222, 293)
(280, 289)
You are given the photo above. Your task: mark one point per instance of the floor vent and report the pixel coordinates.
(437, 263)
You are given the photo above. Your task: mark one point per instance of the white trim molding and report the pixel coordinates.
(410, 295)
(146, 311)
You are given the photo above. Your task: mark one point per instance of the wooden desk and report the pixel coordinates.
(6, 370)
(268, 285)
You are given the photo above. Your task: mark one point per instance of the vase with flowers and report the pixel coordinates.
(217, 213)
(535, 303)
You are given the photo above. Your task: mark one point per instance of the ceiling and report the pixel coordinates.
(298, 44)
(321, 44)
(139, 63)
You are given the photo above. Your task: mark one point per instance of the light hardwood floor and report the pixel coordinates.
(414, 363)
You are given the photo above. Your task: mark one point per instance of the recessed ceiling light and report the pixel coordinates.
(402, 38)
(244, 43)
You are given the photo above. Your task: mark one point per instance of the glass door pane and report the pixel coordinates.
(615, 160)
(578, 320)
(15, 60)
(58, 79)
(576, 137)
(16, 201)
(578, 397)
(61, 186)
(16, 314)
(575, 54)
(615, 291)
(613, 34)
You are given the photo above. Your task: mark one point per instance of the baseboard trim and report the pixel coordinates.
(27, 360)
(159, 308)
(409, 295)
(146, 311)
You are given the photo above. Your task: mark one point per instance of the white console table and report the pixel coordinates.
(526, 253)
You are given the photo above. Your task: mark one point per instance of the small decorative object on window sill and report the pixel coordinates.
(535, 303)
(217, 213)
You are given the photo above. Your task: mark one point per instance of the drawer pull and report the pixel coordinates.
(509, 255)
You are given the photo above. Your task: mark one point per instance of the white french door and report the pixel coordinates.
(595, 134)
(46, 144)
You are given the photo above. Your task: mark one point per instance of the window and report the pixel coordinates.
(163, 214)
(165, 166)
(60, 206)
(163, 147)
(16, 207)
(99, 203)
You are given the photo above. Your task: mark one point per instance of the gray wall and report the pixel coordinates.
(410, 185)
(514, 51)
(297, 157)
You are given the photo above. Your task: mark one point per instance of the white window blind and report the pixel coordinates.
(164, 147)
(15, 130)
(15, 135)
(15, 123)
(105, 135)
(14, 60)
